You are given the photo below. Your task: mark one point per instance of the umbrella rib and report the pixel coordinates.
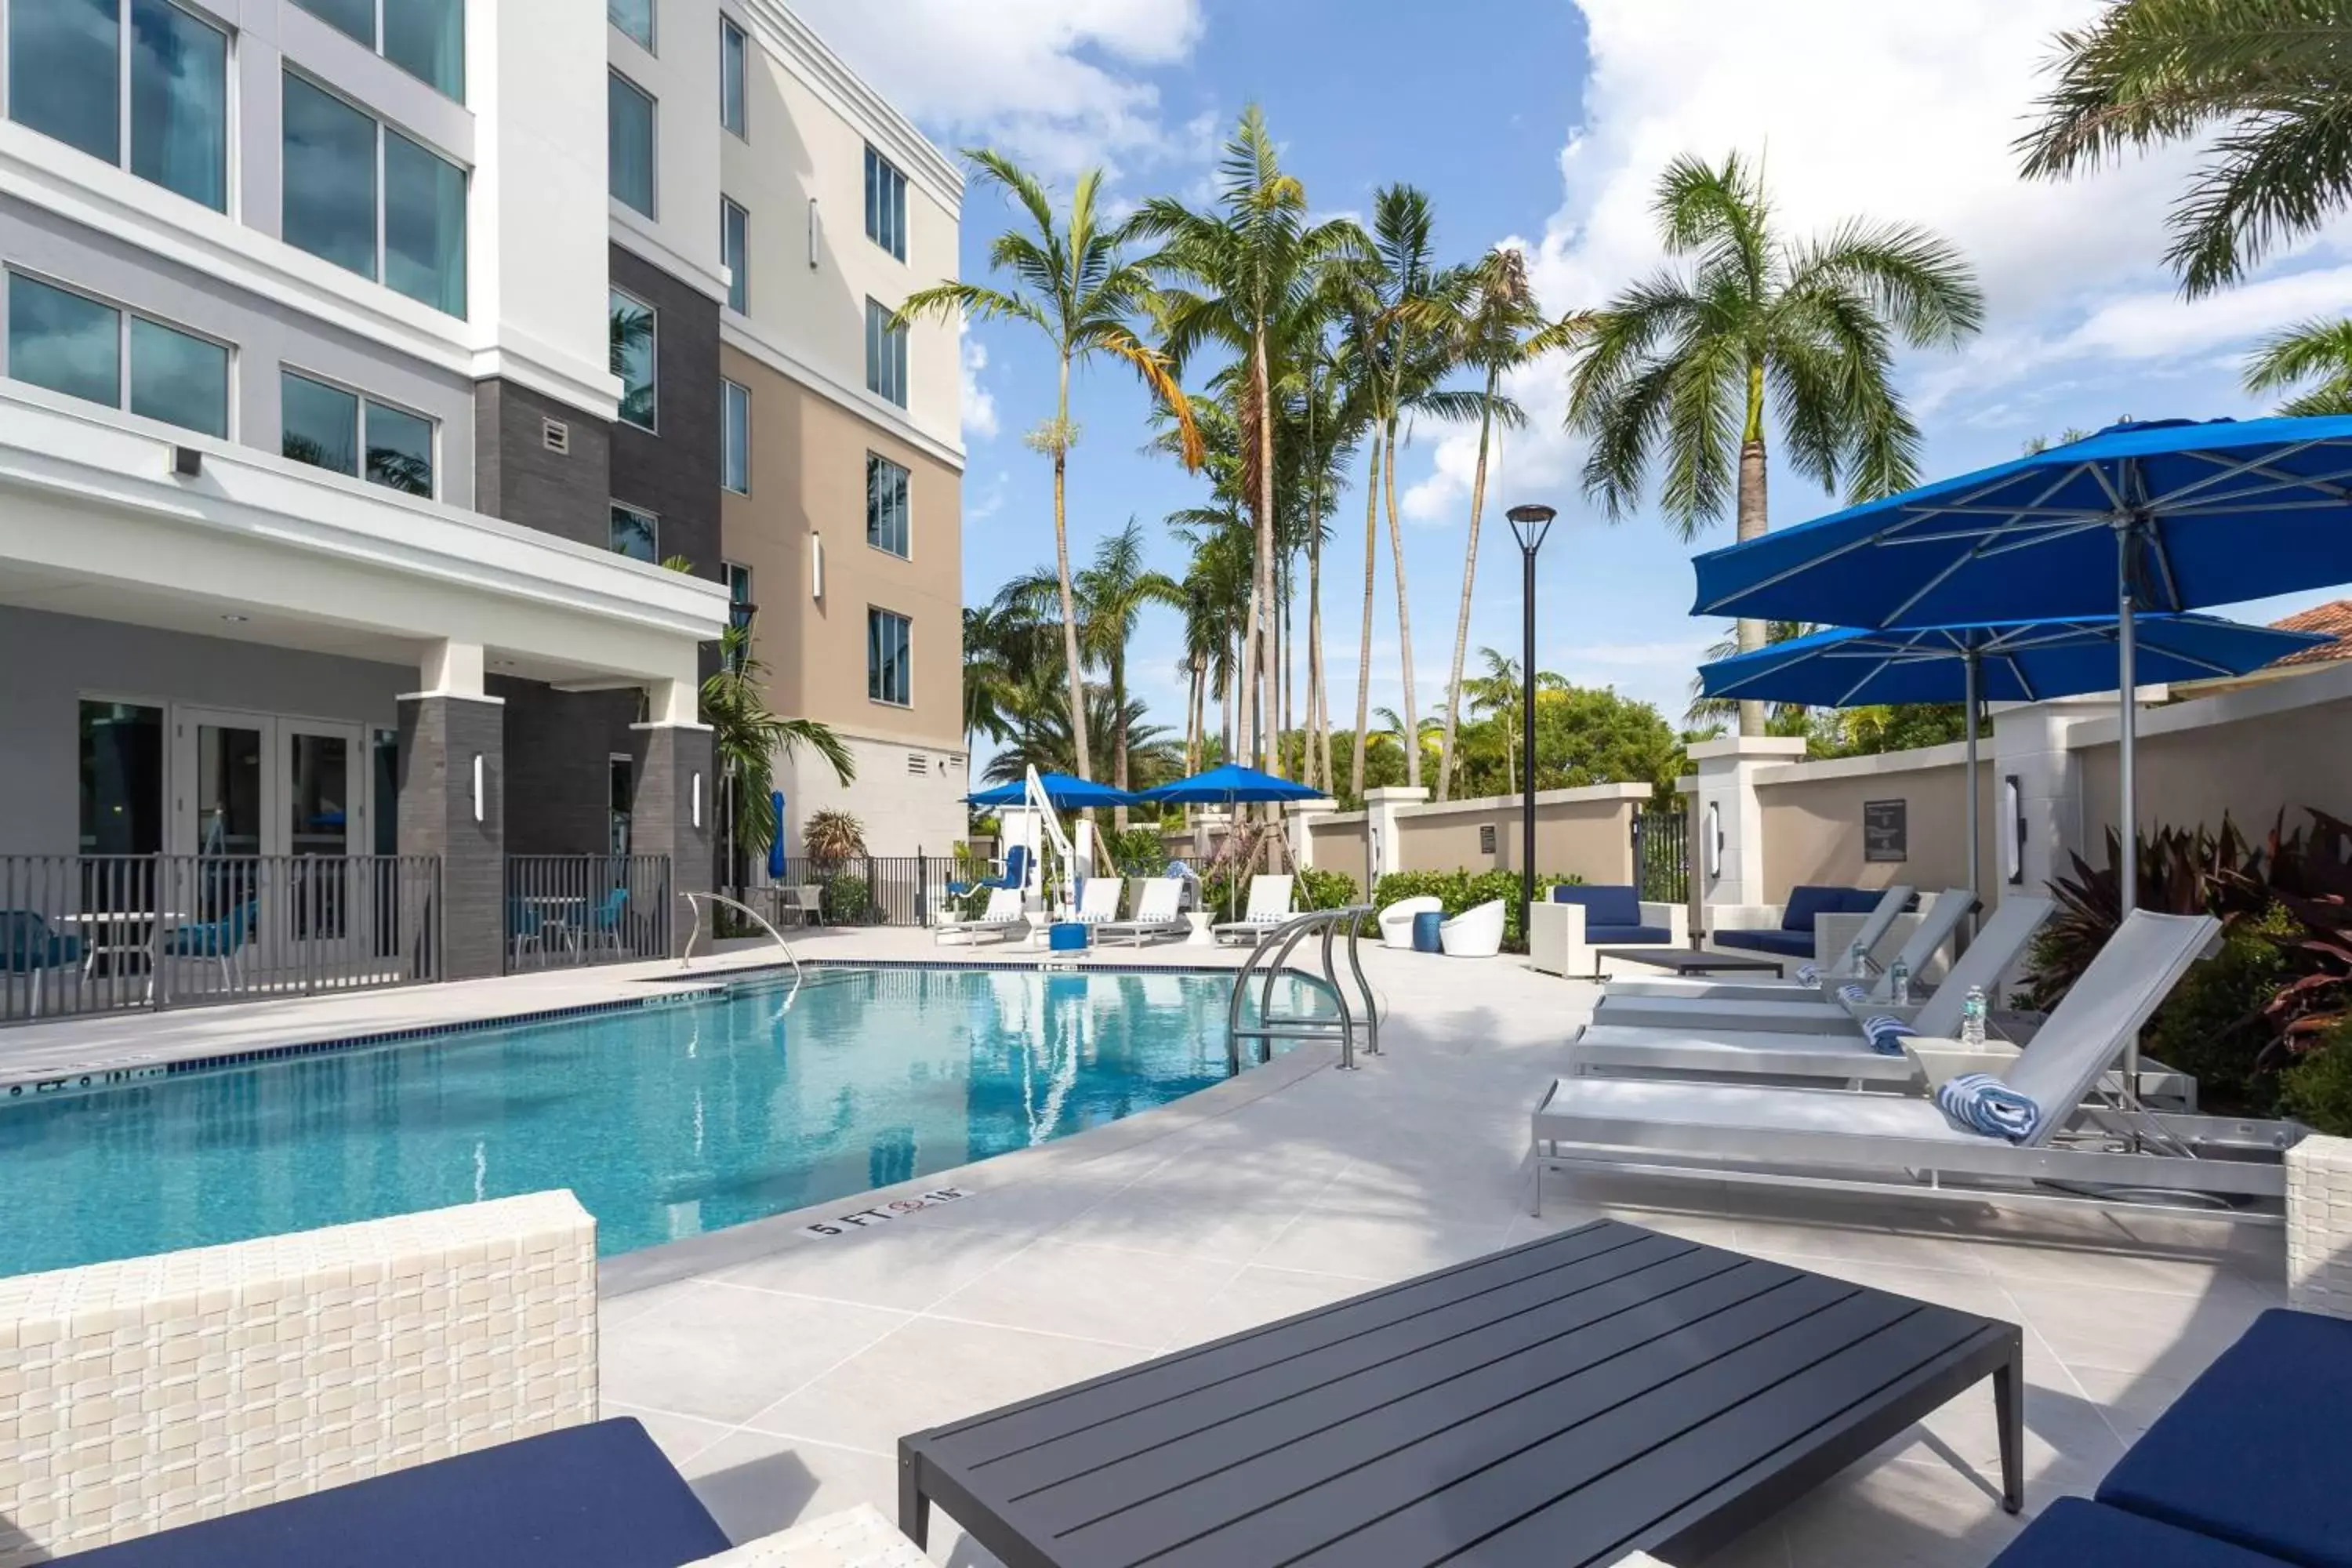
(2024, 682)
(2228, 467)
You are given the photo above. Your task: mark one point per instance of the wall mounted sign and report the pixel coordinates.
(1486, 838)
(1885, 830)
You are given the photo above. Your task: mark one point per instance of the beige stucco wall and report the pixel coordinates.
(1340, 845)
(1576, 834)
(2251, 769)
(1813, 815)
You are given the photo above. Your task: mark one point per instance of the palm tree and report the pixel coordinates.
(2316, 350)
(1505, 332)
(1044, 741)
(1002, 647)
(1497, 692)
(2265, 80)
(1681, 371)
(1704, 710)
(1249, 262)
(1072, 283)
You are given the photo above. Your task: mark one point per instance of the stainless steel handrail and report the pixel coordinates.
(695, 902)
(1274, 1025)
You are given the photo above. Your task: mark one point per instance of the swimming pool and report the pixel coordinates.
(667, 1120)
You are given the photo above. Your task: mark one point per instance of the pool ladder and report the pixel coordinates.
(1273, 1025)
(696, 902)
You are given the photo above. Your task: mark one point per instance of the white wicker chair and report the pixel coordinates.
(1396, 921)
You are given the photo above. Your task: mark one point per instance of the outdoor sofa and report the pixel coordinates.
(1816, 925)
(1564, 931)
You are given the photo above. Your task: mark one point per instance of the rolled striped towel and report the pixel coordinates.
(1979, 1103)
(1853, 993)
(1807, 974)
(1886, 1034)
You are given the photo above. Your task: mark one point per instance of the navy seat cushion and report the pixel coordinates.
(1604, 904)
(2255, 1452)
(600, 1496)
(2073, 1533)
(1805, 901)
(1627, 936)
(1788, 943)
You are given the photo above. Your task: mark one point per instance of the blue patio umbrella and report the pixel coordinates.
(1063, 792)
(776, 843)
(2013, 661)
(1230, 785)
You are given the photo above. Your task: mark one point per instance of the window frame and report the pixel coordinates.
(741, 606)
(905, 506)
(731, 392)
(384, 128)
(362, 398)
(887, 181)
(739, 287)
(124, 148)
(376, 45)
(648, 516)
(905, 655)
(891, 366)
(651, 211)
(651, 42)
(653, 345)
(124, 314)
(739, 81)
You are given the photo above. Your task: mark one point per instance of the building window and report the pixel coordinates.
(620, 801)
(66, 80)
(740, 607)
(629, 143)
(637, 535)
(71, 343)
(885, 204)
(122, 779)
(329, 427)
(885, 505)
(888, 676)
(337, 160)
(734, 250)
(634, 17)
(426, 38)
(735, 442)
(637, 354)
(885, 354)
(733, 79)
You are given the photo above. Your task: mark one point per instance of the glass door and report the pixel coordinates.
(320, 766)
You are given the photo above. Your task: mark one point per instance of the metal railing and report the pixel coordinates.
(871, 889)
(1273, 1025)
(1661, 855)
(721, 901)
(97, 934)
(585, 909)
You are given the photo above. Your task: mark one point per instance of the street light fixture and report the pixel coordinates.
(1528, 525)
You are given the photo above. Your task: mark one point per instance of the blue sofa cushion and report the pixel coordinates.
(1861, 901)
(2073, 1533)
(2254, 1452)
(600, 1496)
(1786, 943)
(1627, 936)
(1805, 901)
(1604, 904)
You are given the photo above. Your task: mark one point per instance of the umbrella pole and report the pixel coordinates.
(1976, 882)
(2128, 682)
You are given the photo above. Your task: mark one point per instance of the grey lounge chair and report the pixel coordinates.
(1892, 1144)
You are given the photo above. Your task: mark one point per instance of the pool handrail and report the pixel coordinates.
(694, 902)
(1273, 1025)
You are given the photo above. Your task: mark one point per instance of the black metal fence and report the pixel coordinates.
(97, 933)
(865, 891)
(586, 909)
(1662, 853)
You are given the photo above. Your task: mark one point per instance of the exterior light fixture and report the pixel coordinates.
(1529, 524)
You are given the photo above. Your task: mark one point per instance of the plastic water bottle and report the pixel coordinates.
(1898, 983)
(1857, 960)
(1972, 1018)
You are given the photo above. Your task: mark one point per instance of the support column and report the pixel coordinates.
(2030, 744)
(1725, 804)
(452, 789)
(675, 812)
(1299, 822)
(1383, 850)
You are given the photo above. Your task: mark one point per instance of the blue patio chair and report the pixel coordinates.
(527, 927)
(1017, 875)
(222, 940)
(604, 924)
(27, 946)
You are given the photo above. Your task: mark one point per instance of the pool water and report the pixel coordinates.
(666, 1122)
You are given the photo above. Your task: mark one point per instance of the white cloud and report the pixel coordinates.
(1054, 82)
(978, 403)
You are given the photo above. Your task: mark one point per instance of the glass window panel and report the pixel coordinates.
(885, 505)
(356, 17)
(122, 779)
(179, 379)
(885, 204)
(629, 135)
(63, 77)
(179, 102)
(634, 17)
(886, 673)
(330, 174)
(319, 795)
(621, 799)
(229, 790)
(399, 450)
(885, 354)
(64, 341)
(427, 39)
(634, 354)
(734, 247)
(384, 751)
(731, 81)
(735, 451)
(318, 424)
(637, 535)
(424, 225)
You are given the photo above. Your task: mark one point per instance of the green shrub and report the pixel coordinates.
(2212, 1026)
(1460, 891)
(1138, 852)
(849, 901)
(2317, 1089)
(1326, 889)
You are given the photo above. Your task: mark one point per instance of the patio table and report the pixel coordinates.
(1604, 1390)
(1690, 960)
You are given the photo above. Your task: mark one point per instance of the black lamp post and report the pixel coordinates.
(1529, 524)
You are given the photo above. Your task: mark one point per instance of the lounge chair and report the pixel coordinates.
(1098, 901)
(1002, 917)
(1396, 921)
(1795, 932)
(1156, 901)
(1843, 1054)
(2063, 1154)
(1475, 932)
(1269, 906)
(1790, 1005)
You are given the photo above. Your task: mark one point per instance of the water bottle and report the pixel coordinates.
(1972, 1019)
(1857, 958)
(1898, 983)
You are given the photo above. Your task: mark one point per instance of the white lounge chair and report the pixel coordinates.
(1002, 917)
(1156, 901)
(1396, 921)
(1790, 1005)
(1842, 1053)
(2072, 1155)
(1098, 901)
(1475, 932)
(1269, 906)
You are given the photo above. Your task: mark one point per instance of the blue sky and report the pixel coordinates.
(1545, 122)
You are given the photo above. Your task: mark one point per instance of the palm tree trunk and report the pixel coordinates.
(1062, 571)
(1752, 525)
(1262, 602)
(1118, 720)
(1319, 733)
(1404, 621)
(1364, 655)
(1252, 710)
(1469, 578)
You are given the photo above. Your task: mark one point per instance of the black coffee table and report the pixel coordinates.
(1690, 960)
(1602, 1392)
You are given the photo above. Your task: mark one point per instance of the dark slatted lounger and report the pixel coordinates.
(1602, 1392)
